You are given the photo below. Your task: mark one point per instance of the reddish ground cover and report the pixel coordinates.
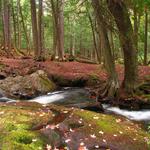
(66, 69)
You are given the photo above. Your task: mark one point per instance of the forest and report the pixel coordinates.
(74, 75)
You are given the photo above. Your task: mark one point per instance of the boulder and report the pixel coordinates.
(26, 87)
(25, 126)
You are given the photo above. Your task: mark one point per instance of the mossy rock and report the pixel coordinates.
(68, 82)
(143, 91)
(110, 132)
(2, 66)
(41, 82)
(93, 80)
(27, 87)
(15, 128)
(31, 126)
(90, 80)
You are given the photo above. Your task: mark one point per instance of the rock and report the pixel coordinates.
(1, 93)
(88, 81)
(2, 75)
(26, 87)
(92, 106)
(77, 128)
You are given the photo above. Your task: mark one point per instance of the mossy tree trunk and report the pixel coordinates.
(112, 86)
(120, 13)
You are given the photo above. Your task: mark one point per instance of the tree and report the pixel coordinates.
(146, 37)
(24, 27)
(37, 29)
(6, 26)
(112, 86)
(58, 24)
(34, 28)
(40, 28)
(121, 15)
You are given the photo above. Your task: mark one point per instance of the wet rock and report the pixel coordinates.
(92, 106)
(26, 87)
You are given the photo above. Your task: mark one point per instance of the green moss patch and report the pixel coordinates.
(16, 128)
(116, 130)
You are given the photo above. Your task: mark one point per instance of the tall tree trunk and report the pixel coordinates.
(19, 30)
(72, 36)
(24, 27)
(94, 36)
(34, 28)
(58, 15)
(61, 29)
(55, 39)
(136, 28)
(146, 36)
(120, 13)
(54, 29)
(6, 23)
(113, 84)
(112, 44)
(1, 23)
(40, 29)
(14, 25)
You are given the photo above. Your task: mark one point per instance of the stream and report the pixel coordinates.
(78, 96)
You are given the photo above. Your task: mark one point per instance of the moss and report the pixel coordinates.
(47, 84)
(2, 66)
(21, 139)
(111, 125)
(15, 128)
(107, 123)
(17, 121)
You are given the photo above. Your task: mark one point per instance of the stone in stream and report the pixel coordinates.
(71, 97)
(25, 125)
(26, 87)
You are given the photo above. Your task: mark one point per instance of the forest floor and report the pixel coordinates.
(76, 74)
(69, 70)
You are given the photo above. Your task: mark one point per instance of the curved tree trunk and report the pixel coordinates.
(120, 13)
(112, 86)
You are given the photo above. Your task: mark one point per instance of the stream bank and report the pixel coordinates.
(30, 126)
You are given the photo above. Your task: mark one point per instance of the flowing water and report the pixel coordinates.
(140, 115)
(77, 96)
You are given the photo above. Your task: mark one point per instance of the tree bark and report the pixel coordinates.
(40, 29)
(55, 24)
(61, 29)
(24, 27)
(58, 15)
(34, 28)
(113, 83)
(146, 37)
(14, 26)
(94, 36)
(120, 13)
(6, 23)
(136, 28)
